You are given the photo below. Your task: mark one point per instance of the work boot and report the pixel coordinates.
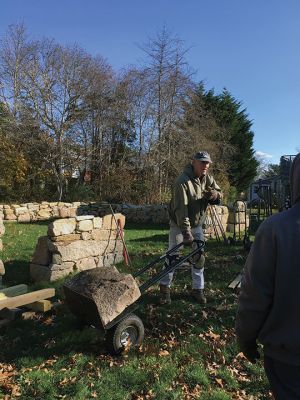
(164, 292)
(199, 296)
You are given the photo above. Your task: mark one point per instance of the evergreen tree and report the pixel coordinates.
(235, 123)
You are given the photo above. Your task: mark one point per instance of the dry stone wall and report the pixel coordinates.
(28, 212)
(214, 219)
(77, 244)
(238, 219)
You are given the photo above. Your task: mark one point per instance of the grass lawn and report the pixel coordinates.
(189, 351)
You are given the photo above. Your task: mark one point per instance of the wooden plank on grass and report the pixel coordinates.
(235, 282)
(42, 305)
(27, 298)
(13, 291)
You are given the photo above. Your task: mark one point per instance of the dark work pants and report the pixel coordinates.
(284, 379)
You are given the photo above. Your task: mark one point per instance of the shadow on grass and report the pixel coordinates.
(49, 335)
(16, 272)
(154, 238)
(148, 226)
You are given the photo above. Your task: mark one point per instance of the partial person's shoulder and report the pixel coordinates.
(209, 179)
(272, 222)
(181, 179)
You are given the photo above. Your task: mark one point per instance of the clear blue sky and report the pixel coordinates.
(251, 47)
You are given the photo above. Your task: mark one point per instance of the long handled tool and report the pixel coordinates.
(121, 234)
(216, 217)
(217, 236)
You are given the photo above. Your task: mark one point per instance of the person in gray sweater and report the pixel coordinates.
(269, 301)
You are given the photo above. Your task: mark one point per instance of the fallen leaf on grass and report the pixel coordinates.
(5, 375)
(49, 320)
(63, 382)
(220, 382)
(163, 353)
(212, 335)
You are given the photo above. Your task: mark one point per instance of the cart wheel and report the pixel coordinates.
(127, 333)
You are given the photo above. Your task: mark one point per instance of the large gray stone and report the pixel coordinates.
(2, 228)
(39, 273)
(110, 221)
(2, 269)
(84, 217)
(62, 227)
(50, 273)
(42, 254)
(85, 263)
(103, 234)
(43, 214)
(25, 217)
(58, 271)
(109, 292)
(85, 225)
(73, 251)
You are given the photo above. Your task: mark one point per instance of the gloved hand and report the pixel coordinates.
(211, 194)
(187, 237)
(250, 350)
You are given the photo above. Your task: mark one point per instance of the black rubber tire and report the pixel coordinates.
(127, 333)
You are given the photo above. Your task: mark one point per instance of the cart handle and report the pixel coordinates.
(154, 279)
(163, 256)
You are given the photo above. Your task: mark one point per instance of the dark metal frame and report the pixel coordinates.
(157, 277)
(89, 305)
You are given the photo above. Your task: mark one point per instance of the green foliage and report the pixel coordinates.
(242, 165)
(195, 374)
(233, 194)
(216, 395)
(79, 192)
(271, 171)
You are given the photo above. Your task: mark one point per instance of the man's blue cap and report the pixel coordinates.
(202, 156)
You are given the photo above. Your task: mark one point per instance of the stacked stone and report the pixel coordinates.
(133, 213)
(211, 226)
(77, 244)
(238, 219)
(28, 212)
(146, 213)
(2, 230)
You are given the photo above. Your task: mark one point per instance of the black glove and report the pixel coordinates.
(187, 237)
(250, 350)
(211, 194)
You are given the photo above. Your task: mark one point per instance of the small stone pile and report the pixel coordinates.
(219, 214)
(77, 244)
(238, 219)
(156, 213)
(2, 230)
(45, 210)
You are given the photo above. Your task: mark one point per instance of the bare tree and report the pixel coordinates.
(53, 88)
(169, 79)
(15, 53)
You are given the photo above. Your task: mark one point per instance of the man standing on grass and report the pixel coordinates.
(268, 309)
(193, 190)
